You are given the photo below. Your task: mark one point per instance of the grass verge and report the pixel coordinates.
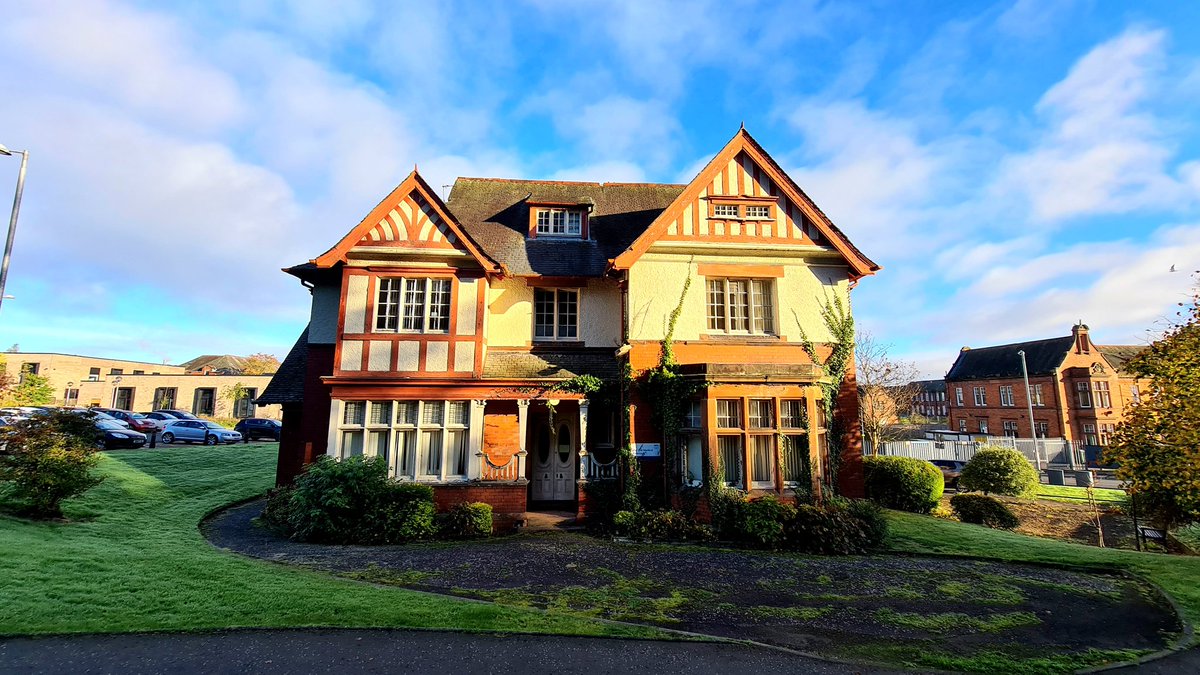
(1078, 495)
(1179, 576)
(133, 559)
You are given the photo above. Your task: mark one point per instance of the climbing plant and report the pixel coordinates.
(840, 323)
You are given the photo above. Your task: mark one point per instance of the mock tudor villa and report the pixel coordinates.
(439, 331)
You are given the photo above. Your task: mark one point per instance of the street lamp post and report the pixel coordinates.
(12, 221)
(1037, 452)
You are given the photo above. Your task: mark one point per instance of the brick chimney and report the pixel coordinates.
(1083, 344)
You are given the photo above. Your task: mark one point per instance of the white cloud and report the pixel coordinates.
(1102, 151)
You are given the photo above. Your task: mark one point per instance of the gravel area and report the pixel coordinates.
(861, 606)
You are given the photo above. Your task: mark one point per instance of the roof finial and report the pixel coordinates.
(415, 168)
(743, 125)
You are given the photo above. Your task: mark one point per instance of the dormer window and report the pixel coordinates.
(559, 222)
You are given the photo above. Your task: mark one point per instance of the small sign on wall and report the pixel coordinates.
(647, 450)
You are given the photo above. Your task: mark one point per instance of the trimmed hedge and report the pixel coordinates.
(1003, 471)
(469, 520)
(983, 510)
(659, 525)
(903, 483)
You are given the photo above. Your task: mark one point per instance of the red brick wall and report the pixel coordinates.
(507, 500)
(850, 473)
(306, 429)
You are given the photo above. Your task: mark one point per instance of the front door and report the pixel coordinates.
(554, 465)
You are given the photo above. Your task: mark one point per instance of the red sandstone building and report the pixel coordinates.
(1078, 389)
(444, 335)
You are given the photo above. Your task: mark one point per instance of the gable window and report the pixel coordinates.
(555, 314)
(413, 305)
(741, 306)
(559, 222)
(758, 212)
(726, 211)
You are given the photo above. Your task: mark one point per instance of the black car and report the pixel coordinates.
(117, 436)
(951, 470)
(256, 427)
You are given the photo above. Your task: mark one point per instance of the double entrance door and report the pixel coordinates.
(554, 463)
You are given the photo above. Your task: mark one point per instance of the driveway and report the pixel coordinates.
(930, 612)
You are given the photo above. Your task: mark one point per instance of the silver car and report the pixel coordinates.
(198, 431)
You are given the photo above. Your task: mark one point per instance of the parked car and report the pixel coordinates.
(177, 414)
(951, 470)
(136, 421)
(255, 427)
(199, 431)
(159, 418)
(117, 436)
(97, 413)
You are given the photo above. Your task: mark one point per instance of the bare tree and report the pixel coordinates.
(887, 389)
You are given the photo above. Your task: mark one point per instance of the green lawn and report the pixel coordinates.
(1179, 576)
(1077, 495)
(134, 560)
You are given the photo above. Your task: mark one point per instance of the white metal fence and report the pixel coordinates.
(1042, 453)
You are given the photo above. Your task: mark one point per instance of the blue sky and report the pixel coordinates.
(1015, 166)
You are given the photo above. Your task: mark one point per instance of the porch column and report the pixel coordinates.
(522, 424)
(475, 441)
(584, 461)
(335, 418)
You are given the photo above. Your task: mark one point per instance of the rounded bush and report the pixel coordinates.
(469, 520)
(763, 521)
(983, 510)
(1003, 471)
(903, 483)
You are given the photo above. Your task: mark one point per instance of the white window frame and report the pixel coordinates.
(759, 317)
(1035, 395)
(727, 211)
(1006, 395)
(983, 427)
(409, 431)
(962, 425)
(980, 397)
(1083, 394)
(395, 310)
(1010, 428)
(557, 328)
(558, 222)
(1101, 396)
(958, 396)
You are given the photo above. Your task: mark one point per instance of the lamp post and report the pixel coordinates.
(1037, 452)
(12, 221)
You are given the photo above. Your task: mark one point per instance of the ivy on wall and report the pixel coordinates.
(840, 323)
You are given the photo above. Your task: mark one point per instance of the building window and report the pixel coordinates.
(962, 425)
(419, 440)
(559, 222)
(762, 413)
(164, 398)
(1035, 394)
(980, 396)
(1135, 394)
(413, 305)
(958, 396)
(792, 414)
(729, 413)
(1006, 395)
(983, 426)
(204, 401)
(741, 306)
(762, 451)
(1010, 428)
(32, 368)
(1043, 429)
(243, 407)
(730, 450)
(726, 211)
(693, 460)
(1106, 432)
(795, 459)
(116, 371)
(71, 397)
(695, 415)
(93, 374)
(1089, 434)
(555, 314)
(758, 212)
(1101, 395)
(1083, 394)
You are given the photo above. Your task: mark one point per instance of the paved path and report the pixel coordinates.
(386, 651)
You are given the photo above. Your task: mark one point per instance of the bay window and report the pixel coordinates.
(419, 440)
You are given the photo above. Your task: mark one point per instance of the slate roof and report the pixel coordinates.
(1118, 355)
(536, 365)
(495, 212)
(1043, 358)
(287, 385)
(224, 363)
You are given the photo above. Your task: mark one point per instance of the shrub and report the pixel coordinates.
(660, 525)
(604, 498)
(469, 520)
(354, 502)
(828, 530)
(870, 516)
(983, 510)
(1003, 471)
(277, 514)
(763, 521)
(48, 459)
(903, 483)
